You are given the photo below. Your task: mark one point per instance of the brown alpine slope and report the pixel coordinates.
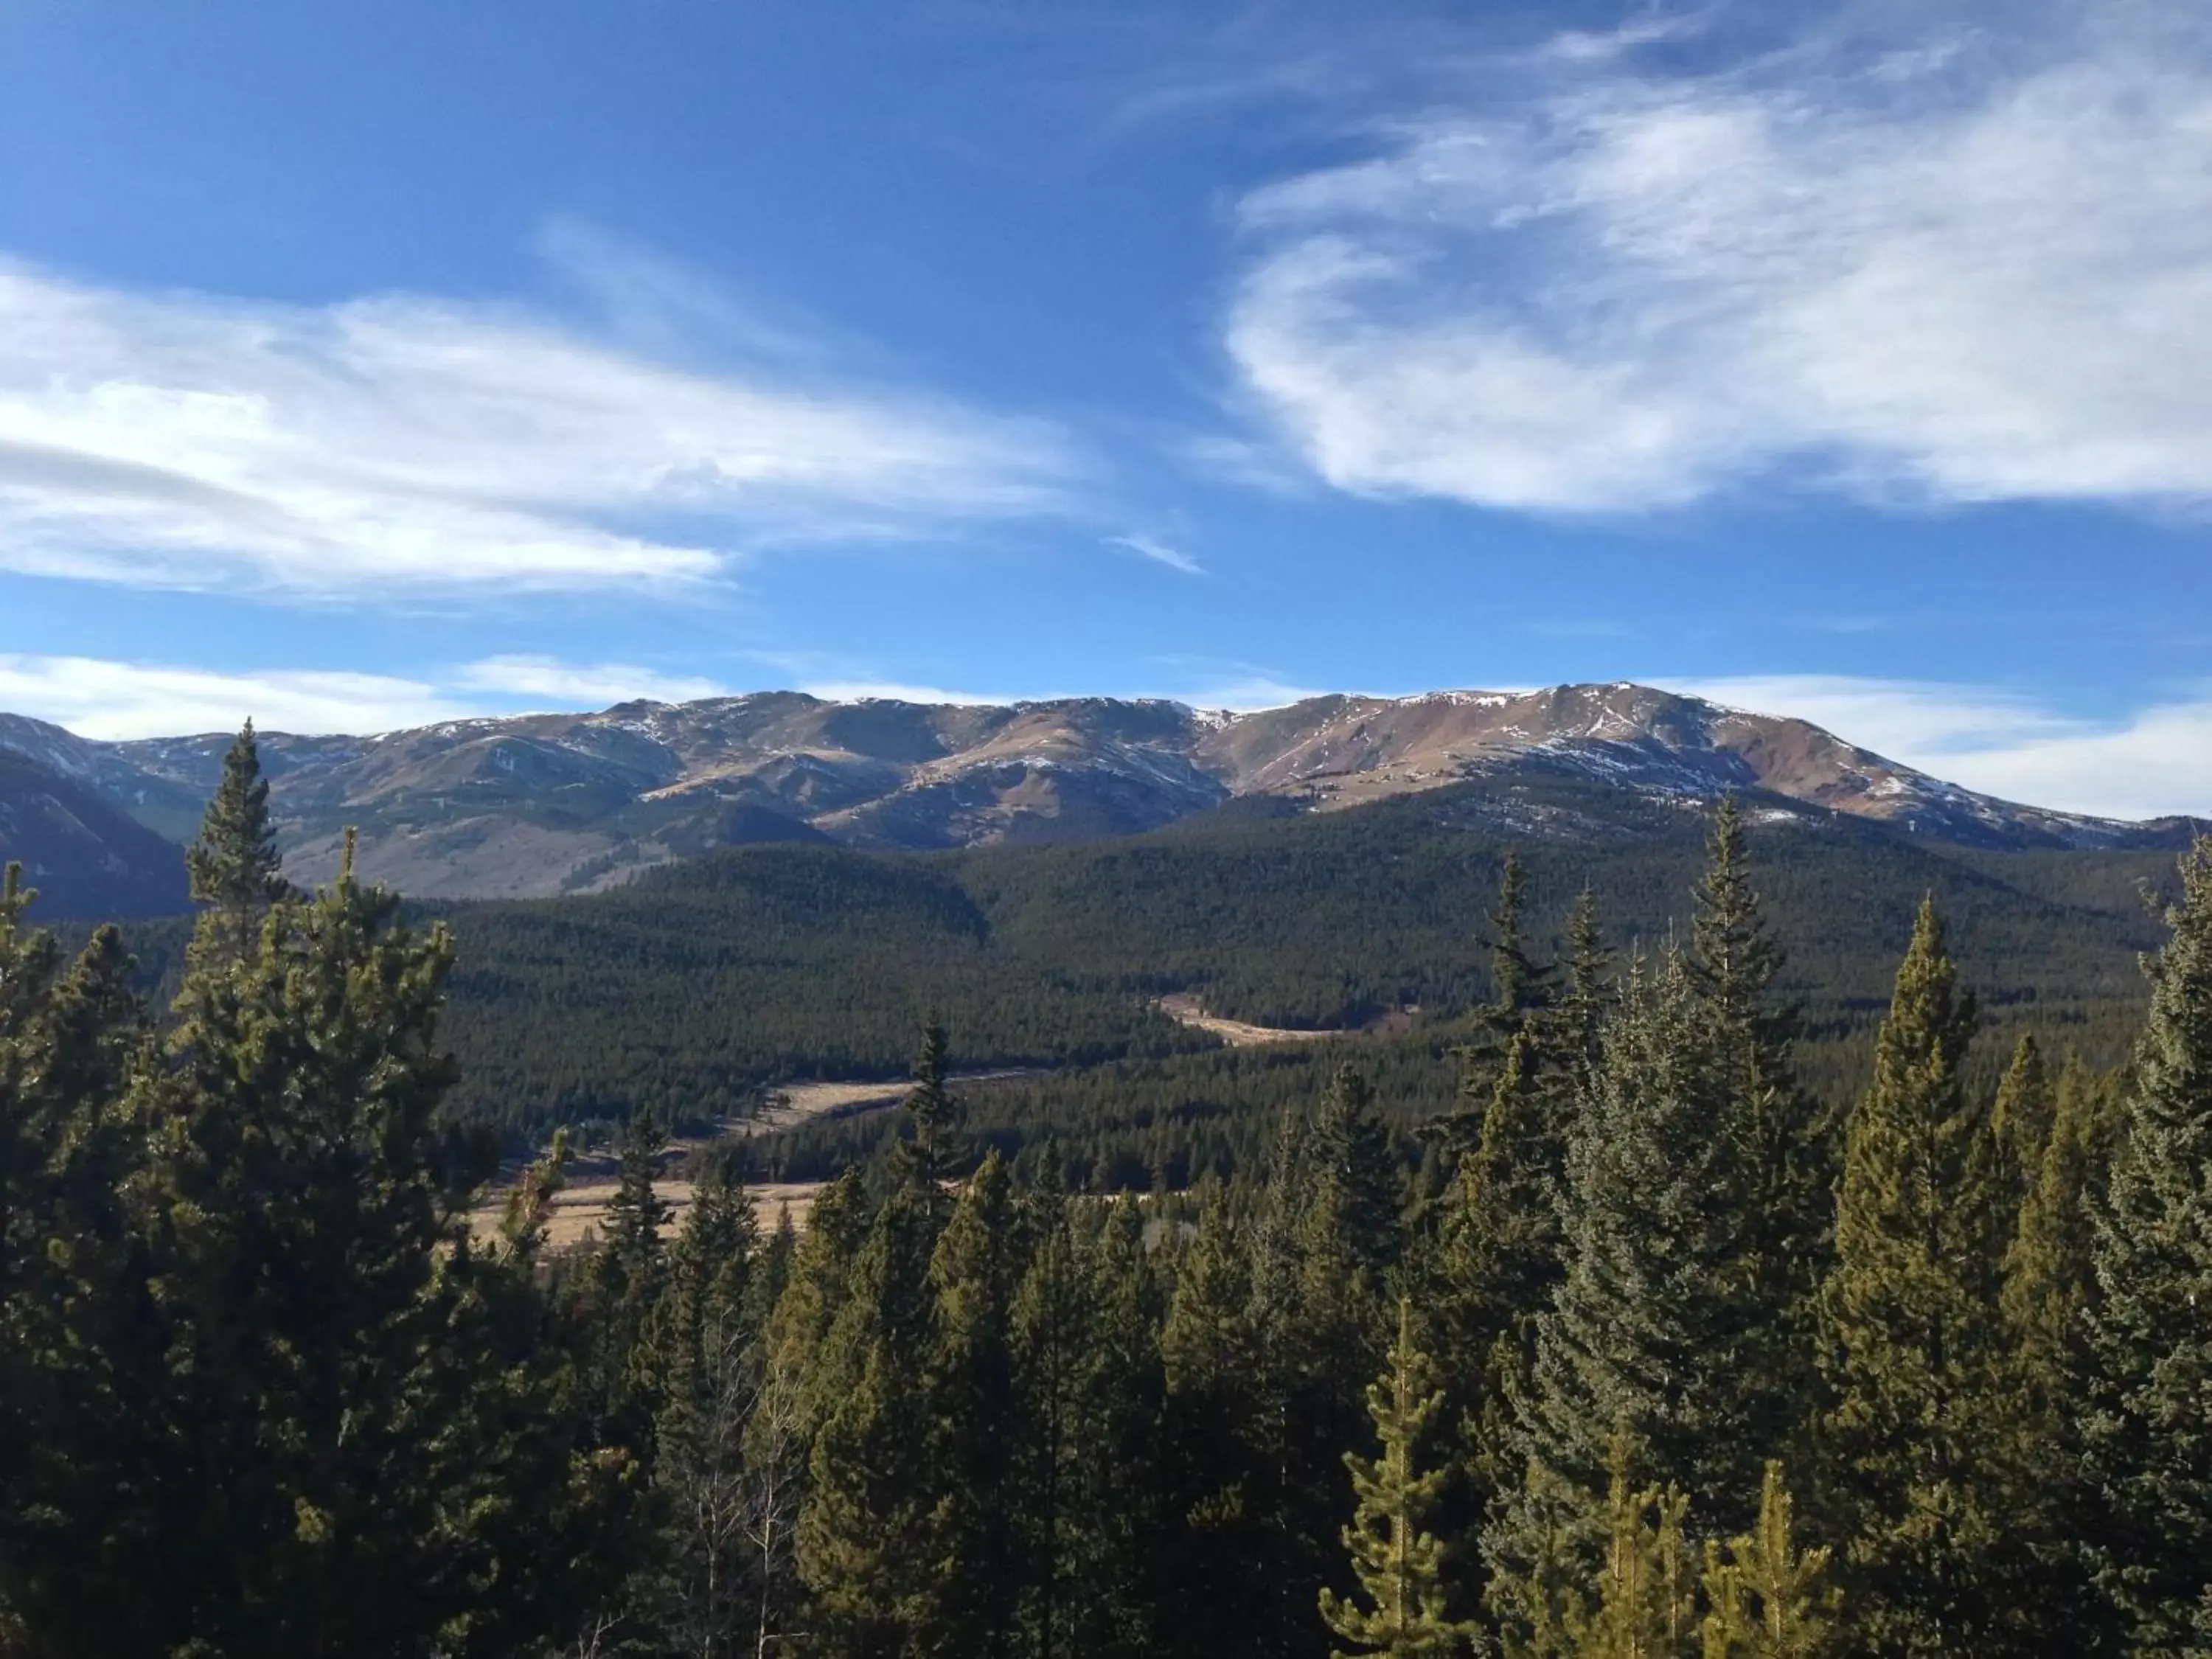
(540, 804)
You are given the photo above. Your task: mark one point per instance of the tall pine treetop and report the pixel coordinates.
(235, 869)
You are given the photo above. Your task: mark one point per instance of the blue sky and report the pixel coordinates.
(363, 364)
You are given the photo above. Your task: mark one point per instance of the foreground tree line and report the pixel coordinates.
(1674, 1364)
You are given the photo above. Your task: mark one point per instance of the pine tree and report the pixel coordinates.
(1647, 1600)
(2021, 1121)
(2050, 1267)
(1578, 1019)
(1356, 1187)
(1218, 1466)
(1767, 1598)
(2148, 1447)
(1519, 993)
(1784, 1167)
(974, 1560)
(627, 1280)
(1116, 1569)
(863, 1541)
(1396, 1560)
(1656, 1332)
(360, 1443)
(235, 869)
(934, 1111)
(1920, 1379)
(712, 1379)
(1051, 1331)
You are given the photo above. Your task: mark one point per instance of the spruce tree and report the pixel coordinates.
(1395, 1559)
(1219, 1464)
(2148, 1445)
(2050, 1267)
(626, 1282)
(865, 1542)
(1116, 1568)
(1919, 1428)
(236, 871)
(2022, 1120)
(970, 1383)
(1050, 1332)
(711, 1383)
(933, 1110)
(1784, 1167)
(1519, 993)
(1657, 1333)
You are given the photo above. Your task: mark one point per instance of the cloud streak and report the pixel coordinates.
(1158, 552)
(1971, 274)
(411, 443)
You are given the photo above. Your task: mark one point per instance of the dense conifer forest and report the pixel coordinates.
(1701, 1311)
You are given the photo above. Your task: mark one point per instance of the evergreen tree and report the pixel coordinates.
(1578, 1021)
(1352, 1224)
(627, 1280)
(2050, 1267)
(1768, 1599)
(711, 1382)
(1784, 1170)
(1519, 993)
(865, 1537)
(934, 1111)
(1647, 1601)
(1115, 1566)
(1658, 1332)
(2148, 1446)
(2022, 1120)
(1397, 1561)
(235, 870)
(359, 1444)
(975, 1559)
(1051, 1320)
(1218, 1467)
(1918, 1426)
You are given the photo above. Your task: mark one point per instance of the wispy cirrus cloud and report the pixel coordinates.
(2151, 762)
(1969, 266)
(96, 697)
(581, 685)
(1151, 547)
(410, 442)
(101, 697)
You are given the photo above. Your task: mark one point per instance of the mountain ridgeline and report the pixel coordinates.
(541, 804)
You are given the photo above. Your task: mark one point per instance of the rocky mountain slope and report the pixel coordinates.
(561, 803)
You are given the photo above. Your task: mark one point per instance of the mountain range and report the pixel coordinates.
(538, 805)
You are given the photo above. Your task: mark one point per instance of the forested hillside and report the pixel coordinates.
(762, 964)
(1637, 1350)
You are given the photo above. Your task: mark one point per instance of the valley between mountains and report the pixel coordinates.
(684, 909)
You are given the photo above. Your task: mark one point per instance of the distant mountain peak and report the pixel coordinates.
(560, 802)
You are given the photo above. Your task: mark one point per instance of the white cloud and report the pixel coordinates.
(581, 685)
(1954, 274)
(1159, 553)
(407, 442)
(95, 698)
(2150, 762)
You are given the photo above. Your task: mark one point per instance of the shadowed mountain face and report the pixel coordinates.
(543, 804)
(84, 854)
